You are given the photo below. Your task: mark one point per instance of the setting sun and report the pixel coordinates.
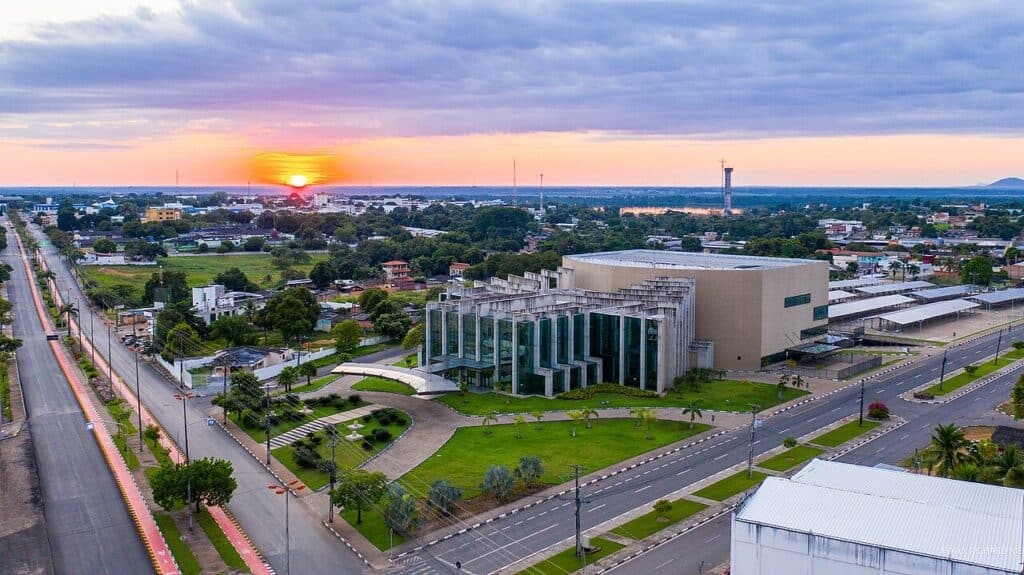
(298, 181)
(295, 170)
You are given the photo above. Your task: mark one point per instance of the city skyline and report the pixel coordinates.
(124, 93)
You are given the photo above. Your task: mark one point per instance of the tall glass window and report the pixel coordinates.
(562, 339)
(558, 381)
(545, 341)
(529, 382)
(651, 332)
(578, 337)
(574, 377)
(633, 335)
(469, 335)
(452, 332)
(435, 333)
(487, 339)
(505, 352)
(604, 344)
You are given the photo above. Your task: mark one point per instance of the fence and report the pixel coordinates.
(839, 366)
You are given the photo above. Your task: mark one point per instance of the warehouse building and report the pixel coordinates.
(840, 518)
(538, 335)
(750, 310)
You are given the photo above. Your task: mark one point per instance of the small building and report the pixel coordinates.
(397, 274)
(250, 357)
(457, 269)
(210, 302)
(161, 214)
(838, 518)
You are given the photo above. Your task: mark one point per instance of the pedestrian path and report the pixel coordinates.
(290, 437)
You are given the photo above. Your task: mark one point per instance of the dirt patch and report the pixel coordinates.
(979, 432)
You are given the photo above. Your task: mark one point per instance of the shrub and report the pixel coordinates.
(878, 410)
(924, 395)
(590, 391)
(355, 399)
(307, 458)
(498, 481)
(381, 435)
(789, 442)
(1018, 345)
(399, 420)
(662, 507)
(366, 445)
(151, 432)
(970, 369)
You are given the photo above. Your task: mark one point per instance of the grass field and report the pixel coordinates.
(725, 395)
(843, 433)
(316, 384)
(260, 434)
(790, 458)
(200, 269)
(187, 562)
(465, 457)
(568, 562)
(374, 383)
(220, 543)
(409, 361)
(731, 485)
(348, 454)
(956, 382)
(373, 528)
(649, 524)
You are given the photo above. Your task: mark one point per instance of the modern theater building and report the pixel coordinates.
(749, 309)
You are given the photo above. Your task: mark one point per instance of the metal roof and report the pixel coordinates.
(686, 260)
(928, 311)
(958, 521)
(839, 294)
(943, 292)
(854, 283)
(894, 287)
(997, 297)
(860, 306)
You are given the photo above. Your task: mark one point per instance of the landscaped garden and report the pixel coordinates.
(568, 562)
(720, 395)
(843, 433)
(309, 458)
(466, 456)
(790, 458)
(288, 411)
(665, 514)
(726, 488)
(373, 383)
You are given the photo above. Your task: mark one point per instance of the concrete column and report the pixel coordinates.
(444, 332)
(426, 351)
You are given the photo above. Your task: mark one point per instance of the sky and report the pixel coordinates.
(875, 93)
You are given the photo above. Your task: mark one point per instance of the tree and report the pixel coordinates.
(293, 312)
(1014, 477)
(212, 483)
(589, 413)
(947, 443)
(181, 341)
(104, 246)
(392, 325)
(234, 279)
(287, 377)
(529, 470)
(576, 416)
(538, 415)
(69, 310)
(235, 329)
(895, 266)
(168, 484)
(519, 421)
(359, 489)
(498, 481)
(400, 510)
(245, 393)
(347, 336)
(977, 271)
(444, 495)
(489, 419)
(369, 299)
(414, 337)
(1017, 397)
(167, 286)
(693, 410)
(780, 388)
(649, 419)
(9, 344)
(322, 275)
(662, 507)
(307, 370)
(640, 413)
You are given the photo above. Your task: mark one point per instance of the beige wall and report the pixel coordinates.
(741, 311)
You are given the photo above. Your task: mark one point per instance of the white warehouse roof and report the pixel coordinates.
(928, 311)
(958, 521)
(854, 283)
(857, 307)
(838, 294)
(894, 287)
(998, 297)
(686, 260)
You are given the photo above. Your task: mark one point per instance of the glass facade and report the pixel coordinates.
(529, 383)
(562, 339)
(633, 335)
(651, 359)
(487, 339)
(579, 338)
(435, 333)
(814, 331)
(505, 355)
(545, 342)
(820, 312)
(559, 381)
(795, 300)
(452, 332)
(604, 344)
(469, 335)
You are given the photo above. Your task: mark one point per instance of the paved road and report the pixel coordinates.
(974, 408)
(258, 510)
(87, 521)
(504, 541)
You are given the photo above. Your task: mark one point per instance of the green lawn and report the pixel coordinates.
(726, 488)
(844, 433)
(260, 434)
(187, 562)
(316, 384)
(220, 542)
(465, 457)
(411, 360)
(130, 459)
(374, 383)
(646, 525)
(373, 528)
(568, 562)
(725, 395)
(956, 382)
(335, 358)
(790, 458)
(200, 269)
(347, 454)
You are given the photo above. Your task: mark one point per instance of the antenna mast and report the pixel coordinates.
(542, 210)
(515, 195)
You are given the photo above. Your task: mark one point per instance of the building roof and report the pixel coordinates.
(686, 260)
(997, 297)
(839, 294)
(942, 292)
(395, 263)
(244, 356)
(928, 311)
(857, 307)
(928, 516)
(854, 283)
(1005, 435)
(894, 287)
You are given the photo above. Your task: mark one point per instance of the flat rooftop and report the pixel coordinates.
(686, 260)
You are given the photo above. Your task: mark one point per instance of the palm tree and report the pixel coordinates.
(520, 421)
(894, 267)
(639, 414)
(1014, 477)
(1010, 457)
(70, 310)
(949, 264)
(538, 415)
(967, 471)
(947, 443)
(693, 410)
(798, 381)
(588, 413)
(488, 419)
(250, 310)
(913, 270)
(649, 418)
(575, 415)
(781, 386)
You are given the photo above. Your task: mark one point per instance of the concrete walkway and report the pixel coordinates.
(290, 437)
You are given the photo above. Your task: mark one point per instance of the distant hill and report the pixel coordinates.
(1016, 183)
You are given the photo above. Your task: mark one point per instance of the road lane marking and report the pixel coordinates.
(596, 508)
(642, 488)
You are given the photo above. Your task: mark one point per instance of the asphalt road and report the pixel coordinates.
(497, 544)
(87, 522)
(258, 510)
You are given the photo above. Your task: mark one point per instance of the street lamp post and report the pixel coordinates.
(266, 417)
(184, 397)
(294, 486)
(332, 441)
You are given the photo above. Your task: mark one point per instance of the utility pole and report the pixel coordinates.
(860, 421)
(266, 418)
(999, 344)
(579, 541)
(92, 338)
(138, 392)
(184, 397)
(942, 372)
(181, 359)
(227, 374)
(332, 441)
(750, 452)
(298, 354)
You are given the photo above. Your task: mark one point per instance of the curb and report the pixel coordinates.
(975, 385)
